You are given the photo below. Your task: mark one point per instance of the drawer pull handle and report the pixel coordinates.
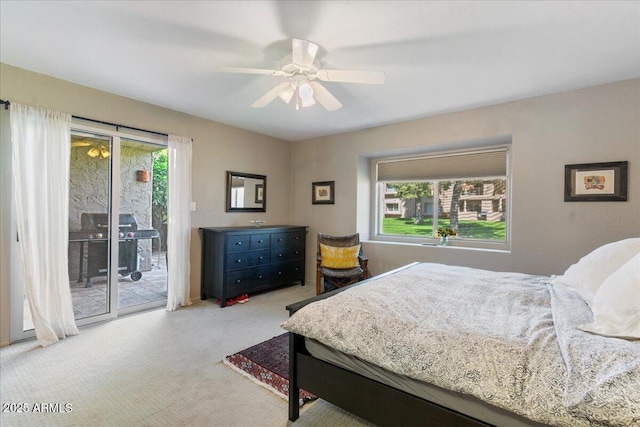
(279, 255)
(279, 240)
(238, 243)
(260, 276)
(260, 241)
(238, 261)
(238, 281)
(261, 258)
(297, 237)
(280, 273)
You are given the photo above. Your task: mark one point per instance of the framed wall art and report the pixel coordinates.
(323, 193)
(596, 182)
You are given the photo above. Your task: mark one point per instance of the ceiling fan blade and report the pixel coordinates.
(304, 53)
(368, 77)
(287, 93)
(325, 98)
(271, 95)
(250, 71)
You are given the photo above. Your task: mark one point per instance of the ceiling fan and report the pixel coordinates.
(97, 150)
(302, 71)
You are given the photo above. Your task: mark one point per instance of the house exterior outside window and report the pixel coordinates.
(467, 191)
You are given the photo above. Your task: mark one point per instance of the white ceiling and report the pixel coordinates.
(438, 56)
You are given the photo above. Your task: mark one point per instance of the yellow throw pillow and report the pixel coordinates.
(334, 257)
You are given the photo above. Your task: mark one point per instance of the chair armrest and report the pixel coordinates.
(364, 263)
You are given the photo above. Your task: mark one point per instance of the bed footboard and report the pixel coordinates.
(296, 344)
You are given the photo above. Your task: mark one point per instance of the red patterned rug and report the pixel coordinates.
(267, 364)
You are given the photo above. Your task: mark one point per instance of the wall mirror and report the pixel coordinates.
(246, 192)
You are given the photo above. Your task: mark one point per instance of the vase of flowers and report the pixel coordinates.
(443, 233)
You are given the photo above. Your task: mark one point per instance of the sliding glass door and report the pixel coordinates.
(90, 223)
(117, 225)
(142, 263)
(117, 218)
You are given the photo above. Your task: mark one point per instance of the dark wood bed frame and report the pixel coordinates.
(372, 400)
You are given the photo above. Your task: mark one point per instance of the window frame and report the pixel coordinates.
(378, 196)
(392, 207)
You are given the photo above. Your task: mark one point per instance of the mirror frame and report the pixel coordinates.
(230, 176)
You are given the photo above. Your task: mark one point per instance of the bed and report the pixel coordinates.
(396, 350)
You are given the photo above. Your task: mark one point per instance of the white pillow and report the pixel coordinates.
(616, 305)
(587, 275)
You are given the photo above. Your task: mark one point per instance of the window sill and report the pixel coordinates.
(455, 244)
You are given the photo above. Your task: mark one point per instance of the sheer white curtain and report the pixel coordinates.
(41, 144)
(179, 230)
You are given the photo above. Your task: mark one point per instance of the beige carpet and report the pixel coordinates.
(157, 369)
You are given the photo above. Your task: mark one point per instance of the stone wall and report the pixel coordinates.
(89, 192)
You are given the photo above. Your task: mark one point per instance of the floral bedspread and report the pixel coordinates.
(509, 339)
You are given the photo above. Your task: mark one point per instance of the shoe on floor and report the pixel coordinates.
(242, 299)
(230, 301)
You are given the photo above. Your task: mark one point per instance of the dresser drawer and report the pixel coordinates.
(260, 257)
(242, 281)
(279, 239)
(260, 241)
(238, 243)
(286, 254)
(297, 252)
(296, 238)
(239, 260)
(288, 270)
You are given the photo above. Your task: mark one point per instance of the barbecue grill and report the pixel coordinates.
(94, 233)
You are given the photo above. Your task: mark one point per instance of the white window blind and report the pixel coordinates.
(478, 164)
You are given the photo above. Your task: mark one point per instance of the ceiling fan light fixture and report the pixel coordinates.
(305, 91)
(308, 103)
(93, 152)
(101, 151)
(104, 152)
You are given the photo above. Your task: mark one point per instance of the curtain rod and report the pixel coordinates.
(7, 103)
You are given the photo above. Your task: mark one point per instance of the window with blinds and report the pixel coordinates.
(465, 193)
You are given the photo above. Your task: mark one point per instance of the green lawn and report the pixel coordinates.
(485, 230)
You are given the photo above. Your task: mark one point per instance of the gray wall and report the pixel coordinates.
(598, 124)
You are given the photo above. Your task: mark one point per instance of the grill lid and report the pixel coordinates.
(100, 221)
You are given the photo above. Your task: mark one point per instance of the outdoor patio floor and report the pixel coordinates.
(92, 301)
(151, 287)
